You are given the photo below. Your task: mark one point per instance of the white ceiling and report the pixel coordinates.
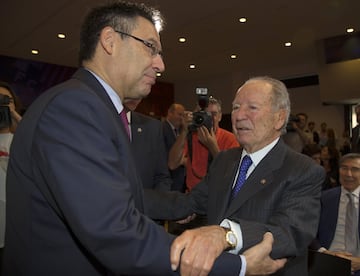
(211, 27)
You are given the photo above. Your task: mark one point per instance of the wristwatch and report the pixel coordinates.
(230, 238)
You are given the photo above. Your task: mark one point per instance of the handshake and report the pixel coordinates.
(195, 252)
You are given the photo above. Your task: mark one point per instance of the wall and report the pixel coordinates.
(303, 99)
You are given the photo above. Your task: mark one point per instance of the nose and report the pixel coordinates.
(158, 63)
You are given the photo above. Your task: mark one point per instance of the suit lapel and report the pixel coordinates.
(261, 177)
(224, 190)
(89, 80)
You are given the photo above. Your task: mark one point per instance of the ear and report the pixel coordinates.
(280, 118)
(107, 39)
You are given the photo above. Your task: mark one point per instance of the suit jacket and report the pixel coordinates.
(328, 220)
(282, 195)
(329, 215)
(355, 139)
(149, 152)
(75, 201)
(178, 175)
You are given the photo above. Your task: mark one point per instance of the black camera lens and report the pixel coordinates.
(198, 120)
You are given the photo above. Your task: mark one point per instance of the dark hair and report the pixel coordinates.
(7, 86)
(119, 15)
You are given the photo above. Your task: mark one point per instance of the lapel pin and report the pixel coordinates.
(139, 129)
(263, 181)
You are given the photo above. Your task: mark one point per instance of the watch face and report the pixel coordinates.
(231, 238)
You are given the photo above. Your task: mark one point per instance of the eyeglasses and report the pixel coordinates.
(153, 50)
(353, 170)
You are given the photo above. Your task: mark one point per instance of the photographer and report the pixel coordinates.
(198, 143)
(295, 136)
(8, 122)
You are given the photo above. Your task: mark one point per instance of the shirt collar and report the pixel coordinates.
(257, 156)
(114, 97)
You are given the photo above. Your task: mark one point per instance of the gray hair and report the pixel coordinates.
(280, 96)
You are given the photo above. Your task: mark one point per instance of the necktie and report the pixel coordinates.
(351, 226)
(125, 122)
(245, 164)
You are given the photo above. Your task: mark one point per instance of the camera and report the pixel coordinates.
(5, 116)
(292, 119)
(201, 117)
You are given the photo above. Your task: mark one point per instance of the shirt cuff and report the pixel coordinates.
(243, 265)
(235, 228)
(322, 249)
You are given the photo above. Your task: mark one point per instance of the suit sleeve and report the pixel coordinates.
(86, 167)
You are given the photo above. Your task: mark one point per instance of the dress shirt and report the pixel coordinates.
(338, 243)
(114, 97)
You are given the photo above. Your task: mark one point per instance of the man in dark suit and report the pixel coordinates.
(355, 134)
(148, 148)
(331, 237)
(282, 189)
(75, 201)
(172, 127)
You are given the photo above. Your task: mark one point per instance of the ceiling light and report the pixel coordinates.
(288, 44)
(158, 74)
(233, 56)
(349, 30)
(62, 36)
(34, 51)
(242, 19)
(182, 39)
(192, 66)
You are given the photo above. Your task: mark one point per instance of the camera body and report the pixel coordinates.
(201, 117)
(5, 115)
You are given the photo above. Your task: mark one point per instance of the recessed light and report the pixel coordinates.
(192, 66)
(233, 56)
(34, 51)
(62, 36)
(158, 74)
(182, 39)
(349, 30)
(288, 44)
(242, 19)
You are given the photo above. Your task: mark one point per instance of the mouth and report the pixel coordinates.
(152, 79)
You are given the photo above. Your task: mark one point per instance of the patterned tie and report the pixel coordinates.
(245, 164)
(351, 227)
(125, 122)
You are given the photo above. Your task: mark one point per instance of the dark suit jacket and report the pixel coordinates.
(329, 214)
(74, 199)
(282, 195)
(149, 152)
(355, 139)
(328, 219)
(178, 175)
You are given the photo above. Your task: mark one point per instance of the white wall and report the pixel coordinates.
(303, 99)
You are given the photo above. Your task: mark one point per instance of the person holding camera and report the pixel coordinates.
(8, 122)
(295, 136)
(200, 143)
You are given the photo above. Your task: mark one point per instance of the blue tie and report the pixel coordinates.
(245, 164)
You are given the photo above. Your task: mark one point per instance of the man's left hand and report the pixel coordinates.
(197, 248)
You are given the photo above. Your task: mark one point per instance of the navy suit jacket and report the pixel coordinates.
(178, 175)
(329, 216)
(149, 152)
(74, 200)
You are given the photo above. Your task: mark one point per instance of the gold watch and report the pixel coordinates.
(230, 238)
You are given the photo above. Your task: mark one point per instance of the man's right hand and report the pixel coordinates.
(258, 259)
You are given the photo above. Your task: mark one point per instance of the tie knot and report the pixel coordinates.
(245, 163)
(124, 117)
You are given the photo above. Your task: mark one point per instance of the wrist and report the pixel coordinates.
(230, 238)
